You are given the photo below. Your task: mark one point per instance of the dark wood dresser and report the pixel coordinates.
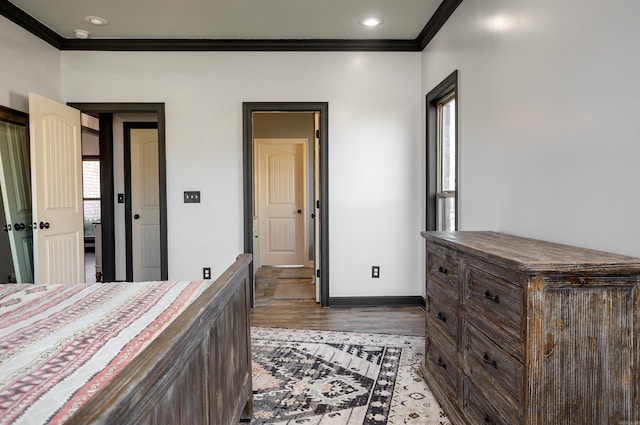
(520, 331)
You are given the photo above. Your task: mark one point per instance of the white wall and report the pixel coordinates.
(28, 65)
(548, 117)
(374, 150)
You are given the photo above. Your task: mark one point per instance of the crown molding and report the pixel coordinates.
(21, 18)
(193, 45)
(441, 15)
(35, 27)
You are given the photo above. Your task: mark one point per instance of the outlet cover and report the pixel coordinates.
(192, 197)
(206, 273)
(375, 272)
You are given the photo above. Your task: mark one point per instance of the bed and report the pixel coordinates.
(127, 353)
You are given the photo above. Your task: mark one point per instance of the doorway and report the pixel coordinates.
(113, 244)
(311, 201)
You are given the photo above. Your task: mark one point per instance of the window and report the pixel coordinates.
(91, 194)
(442, 149)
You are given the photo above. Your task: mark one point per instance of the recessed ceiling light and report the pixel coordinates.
(371, 22)
(81, 33)
(96, 20)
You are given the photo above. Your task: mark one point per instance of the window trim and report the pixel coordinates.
(441, 92)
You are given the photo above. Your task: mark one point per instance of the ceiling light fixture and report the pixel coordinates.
(371, 22)
(96, 20)
(81, 33)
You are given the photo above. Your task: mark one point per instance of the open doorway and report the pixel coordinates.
(285, 193)
(113, 247)
(90, 141)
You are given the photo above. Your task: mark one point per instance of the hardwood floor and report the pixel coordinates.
(307, 314)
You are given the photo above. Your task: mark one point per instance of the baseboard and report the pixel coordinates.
(412, 300)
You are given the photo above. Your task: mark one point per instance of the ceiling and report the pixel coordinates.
(232, 24)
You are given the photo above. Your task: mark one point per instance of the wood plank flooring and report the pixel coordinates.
(307, 314)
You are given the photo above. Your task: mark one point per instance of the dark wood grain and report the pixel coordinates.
(532, 255)
(549, 332)
(197, 371)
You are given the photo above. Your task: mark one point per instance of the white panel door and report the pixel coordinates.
(281, 176)
(16, 195)
(56, 178)
(145, 205)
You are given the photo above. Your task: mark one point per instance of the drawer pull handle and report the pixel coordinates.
(441, 316)
(491, 297)
(440, 363)
(487, 420)
(487, 360)
(443, 270)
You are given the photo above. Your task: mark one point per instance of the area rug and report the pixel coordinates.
(339, 378)
(294, 291)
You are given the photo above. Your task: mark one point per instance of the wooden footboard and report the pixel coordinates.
(198, 371)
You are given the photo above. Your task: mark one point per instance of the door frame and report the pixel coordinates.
(127, 127)
(248, 108)
(105, 111)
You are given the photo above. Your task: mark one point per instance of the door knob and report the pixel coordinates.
(44, 225)
(19, 226)
(5, 228)
(136, 216)
(299, 211)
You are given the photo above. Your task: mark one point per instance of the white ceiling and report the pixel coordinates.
(234, 19)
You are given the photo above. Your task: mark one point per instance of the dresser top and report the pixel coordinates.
(533, 255)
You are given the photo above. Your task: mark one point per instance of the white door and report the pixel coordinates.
(145, 205)
(56, 178)
(16, 196)
(282, 211)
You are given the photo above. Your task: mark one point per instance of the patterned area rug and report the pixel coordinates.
(339, 378)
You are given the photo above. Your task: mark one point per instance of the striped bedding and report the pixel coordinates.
(59, 344)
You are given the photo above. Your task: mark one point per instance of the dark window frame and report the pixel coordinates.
(434, 97)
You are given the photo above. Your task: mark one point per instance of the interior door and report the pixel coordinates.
(16, 197)
(282, 210)
(145, 205)
(56, 178)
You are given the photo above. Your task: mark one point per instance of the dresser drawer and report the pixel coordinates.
(443, 268)
(498, 372)
(441, 363)
(442, 321)
(442, 292)
(479, 410)
(496, 306)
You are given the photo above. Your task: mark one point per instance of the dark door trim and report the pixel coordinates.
(128, 126)
(248, 108)
(105, 111)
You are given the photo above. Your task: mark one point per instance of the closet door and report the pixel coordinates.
(16, 198)
(56, 176)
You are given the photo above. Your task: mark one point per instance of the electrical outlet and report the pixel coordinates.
(192, 197)
(375, 272)
(206, 273)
